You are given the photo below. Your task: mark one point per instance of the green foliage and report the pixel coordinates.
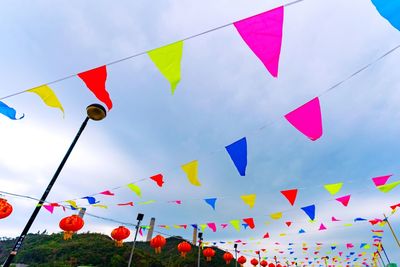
(91, 249)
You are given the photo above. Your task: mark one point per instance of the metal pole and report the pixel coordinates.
(28, 225)
(139, 218)
(259, 259)
(235, 246)
(383, 263)
(200, 236)
(391, 229)
(384, 251)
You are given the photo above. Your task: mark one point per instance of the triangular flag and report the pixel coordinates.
(245, 225)
(301, 231)
(388, 187)
(381, 180)
(263, 34)
(224, 225)
(168, 61)
(344, 200)
(333, 189)
(238, 153)
(146, 202)
(307, 119)
(250, 222)
(212, 226)
(349, 245)
(290, 195)
(158, 178)
(91, 200)
(390, 10)
(310, 211)
(50, 208)
(276, 215)
(394, 207)
(95, 80)
(335, 220)
(135, 189)
(211, 202)
(100, 206)
(202, 227)
(359, 219)
(126, 204)
(235, 224)
(266, 235)
(249, 199)
(288, 224)
(48, 96)
(322, 227)
(9, 112)
(191, 170)
(107, 193)
(72, 203)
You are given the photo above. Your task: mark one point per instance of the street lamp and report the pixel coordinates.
(200, 236)
(235, 247)
(139, 218)
(94, 112)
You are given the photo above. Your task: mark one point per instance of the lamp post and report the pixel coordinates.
(200, 236)
(139, 218)
(94, 112)
(235, 247)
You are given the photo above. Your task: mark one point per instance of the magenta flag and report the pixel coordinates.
(263, 34)
(307, 119)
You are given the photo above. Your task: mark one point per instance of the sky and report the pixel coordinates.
(225, 93)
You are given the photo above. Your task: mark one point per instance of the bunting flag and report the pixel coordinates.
(91, 200)
(310, 211)
(322, 227)
(126, 204)
(235, 224)
(146, 202)
(224, 225)
(349, 245)
(9, 112)
(335, 220)
(307, 119)
(388, 187)
(72, 203)
(95, 80)
(158, 178)
(288, 224)
(276, 215)
(50, 208)
(191, 170)
(263, 34)
(107, 193)
(290, 195)
(135, 189)
(394, 207)
(202, 227)
(359, 219)
(238, 153)
(344, 200)
(381, 180)
(48, 96)
(100, 206)
(333, 189)
(211, 202)
(168, 61)
(266, 235)
(301, 231)
(390, 10)
(250, 222)
(249, 200)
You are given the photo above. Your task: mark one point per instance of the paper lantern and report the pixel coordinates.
(278, 265)
(5, 208)
(228, 257)
(209, 253)
(157, 243)
(264, 263)
(119, 234)
(70, 225)
(271, 265)
(242, 260)
(184, 247)
(254, 262)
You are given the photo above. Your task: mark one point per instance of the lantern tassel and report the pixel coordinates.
(68, 235)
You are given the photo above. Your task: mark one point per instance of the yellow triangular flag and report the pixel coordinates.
(135, 189)
(249, 199)
(388, 187)
(146, 202)
(333, 189)
(191, 170)
(276, 216)
(202, 227)
(235, 224)
(100, 206)
(72, 203)
(48, 96)
(168, 61)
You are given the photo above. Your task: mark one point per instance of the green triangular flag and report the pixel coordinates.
(168, 61)
(333, 189)
(388, 187)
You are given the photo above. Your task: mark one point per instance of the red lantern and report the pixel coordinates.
(228, 257)
(184, 247)
(242, 260)
(157, 243)
(278, 265)
(209, 253)
(119, 234)
(70, 225)
(264, 263)
(254, 262)
(271, 265)
(5, 208)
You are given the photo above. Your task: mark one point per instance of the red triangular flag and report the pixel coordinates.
(95, 80)
(250, 222)
(288, 224)
(307, 119)
(158, 178)
(266, 235)
(290, 195)
(344, 200)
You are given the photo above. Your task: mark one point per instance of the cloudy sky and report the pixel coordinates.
(225, 94)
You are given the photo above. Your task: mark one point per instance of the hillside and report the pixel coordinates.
(92, 249)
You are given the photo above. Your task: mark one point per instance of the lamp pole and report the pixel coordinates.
(94, 112)
(200, 236)
(139, 218)
(235, 247)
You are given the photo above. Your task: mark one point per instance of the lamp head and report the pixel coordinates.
(140, 216)
(96, 112)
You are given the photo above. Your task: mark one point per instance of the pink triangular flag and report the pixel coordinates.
(335, 220)
(50, 208)
(381, 180)
(344, 200)
(224, 225)
(107, 193)
(340, 254)
(263, 34)
(322, 227)
(307, 119)
(212, 226)
(349, 245)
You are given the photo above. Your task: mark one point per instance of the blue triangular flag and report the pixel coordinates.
(301, 231)
(333, 247)
(390, 10)
(363, 245)
(291, 252)
(91, 200)
(310, 211)
(9, 112)
(194, 225)
(359, 219)
(211, 202)
(238, 153)
(245, 225)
